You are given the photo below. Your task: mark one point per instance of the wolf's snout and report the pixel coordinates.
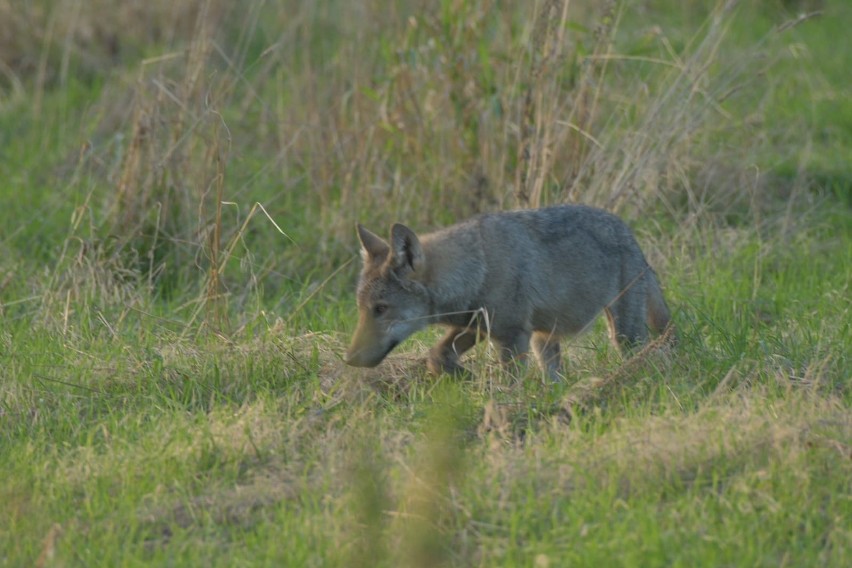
(352, 358)
(368, 356)
(358, 360)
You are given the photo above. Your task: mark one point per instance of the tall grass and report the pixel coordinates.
(450, 109)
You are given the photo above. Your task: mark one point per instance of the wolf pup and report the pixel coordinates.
(520, 278)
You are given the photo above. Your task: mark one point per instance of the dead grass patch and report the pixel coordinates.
(729, 438)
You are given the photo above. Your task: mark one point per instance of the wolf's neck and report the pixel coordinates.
(456, 270)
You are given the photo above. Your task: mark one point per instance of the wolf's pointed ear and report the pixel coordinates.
(406, 253)
(372, 245)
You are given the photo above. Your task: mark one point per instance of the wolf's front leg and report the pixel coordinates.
(514, 344)
(444, 357)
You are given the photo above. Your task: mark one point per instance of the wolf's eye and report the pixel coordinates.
(379, 309)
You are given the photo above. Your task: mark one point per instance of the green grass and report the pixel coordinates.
(172, 390)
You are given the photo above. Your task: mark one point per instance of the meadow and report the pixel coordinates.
(179, 187)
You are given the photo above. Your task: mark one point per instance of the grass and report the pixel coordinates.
(172, 388)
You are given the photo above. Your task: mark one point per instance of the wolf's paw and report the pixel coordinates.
(439, 366)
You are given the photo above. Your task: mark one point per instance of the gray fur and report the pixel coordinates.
(522, 278)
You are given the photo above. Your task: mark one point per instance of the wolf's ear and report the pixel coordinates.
(406, 253)
(372, 245)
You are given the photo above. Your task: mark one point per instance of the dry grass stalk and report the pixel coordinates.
(589, 392)
(556, 123)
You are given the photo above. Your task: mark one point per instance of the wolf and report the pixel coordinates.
(523, 279)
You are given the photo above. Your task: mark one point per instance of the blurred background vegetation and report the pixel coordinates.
(137, 138)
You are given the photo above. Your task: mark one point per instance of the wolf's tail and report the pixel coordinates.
(659, 316)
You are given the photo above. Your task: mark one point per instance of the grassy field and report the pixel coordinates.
(180, 184)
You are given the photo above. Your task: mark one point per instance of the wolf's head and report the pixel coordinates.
(393, 302)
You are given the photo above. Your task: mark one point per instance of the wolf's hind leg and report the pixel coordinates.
(626, 319)
(444, 356)
(546, 349)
